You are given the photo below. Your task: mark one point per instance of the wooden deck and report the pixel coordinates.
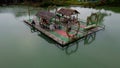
(56, 38)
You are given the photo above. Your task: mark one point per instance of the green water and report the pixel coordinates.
(22, 48)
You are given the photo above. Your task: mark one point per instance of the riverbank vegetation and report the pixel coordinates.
(45, 3)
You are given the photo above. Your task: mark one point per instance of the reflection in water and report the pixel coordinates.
(70, 48)
(89, 38)
(33, 29)
(73, 47)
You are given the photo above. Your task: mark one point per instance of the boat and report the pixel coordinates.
(64, 26)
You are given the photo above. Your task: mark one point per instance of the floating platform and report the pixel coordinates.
(60, 36)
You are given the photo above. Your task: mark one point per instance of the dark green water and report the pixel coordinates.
(21, 48)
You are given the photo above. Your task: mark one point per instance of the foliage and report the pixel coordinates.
(113, 2)
(61, 2)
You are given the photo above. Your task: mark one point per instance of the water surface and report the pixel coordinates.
(22, 48)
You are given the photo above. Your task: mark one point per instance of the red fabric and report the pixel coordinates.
(63, 33)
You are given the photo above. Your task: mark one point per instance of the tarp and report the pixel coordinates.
(67, 12)
(45, 14)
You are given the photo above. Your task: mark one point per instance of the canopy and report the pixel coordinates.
(67, 12)
(45, 14)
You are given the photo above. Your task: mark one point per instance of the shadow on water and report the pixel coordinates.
(46, 38)
(33, 29)
(70, 48)
(43, 36)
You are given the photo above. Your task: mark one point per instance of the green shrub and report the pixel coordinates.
(46, 4)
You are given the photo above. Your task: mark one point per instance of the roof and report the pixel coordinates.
(67, 12)
(45, 14)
